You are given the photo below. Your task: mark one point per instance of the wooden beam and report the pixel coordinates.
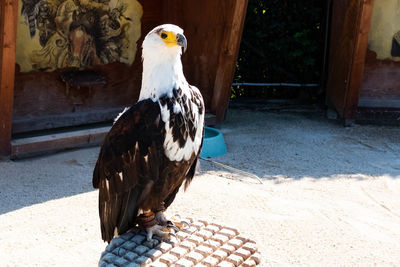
(8, 32)
(30, 146)
(227, 59)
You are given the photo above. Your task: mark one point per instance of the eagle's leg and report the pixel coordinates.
(160, 218)
(174, 223)
(148, 221)
(177, 223)
(159, 231)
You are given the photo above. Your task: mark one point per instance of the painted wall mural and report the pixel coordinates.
(384, 35)
(76, 33)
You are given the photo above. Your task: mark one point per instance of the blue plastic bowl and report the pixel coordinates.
(213, 143)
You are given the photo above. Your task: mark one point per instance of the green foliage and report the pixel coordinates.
(282, 42)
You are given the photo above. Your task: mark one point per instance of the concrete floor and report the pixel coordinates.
(330, 195)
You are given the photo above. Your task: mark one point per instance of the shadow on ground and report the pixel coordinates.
(269, 145)
(40, 179)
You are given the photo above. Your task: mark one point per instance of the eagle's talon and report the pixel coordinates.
(171, 225)
(178, 225)
(177, 220)
(172, 239)
(172, 235)
(185, 223)
(175, 223)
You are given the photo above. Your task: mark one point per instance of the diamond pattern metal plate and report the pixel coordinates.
(201, 244)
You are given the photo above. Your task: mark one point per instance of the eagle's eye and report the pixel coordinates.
(164, 35)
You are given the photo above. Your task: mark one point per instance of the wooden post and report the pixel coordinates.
(8, 35)
(357, 70)
(227, 59)
(349, 40)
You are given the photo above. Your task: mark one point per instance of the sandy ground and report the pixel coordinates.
(330, 195)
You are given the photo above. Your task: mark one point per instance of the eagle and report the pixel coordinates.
(153, 147)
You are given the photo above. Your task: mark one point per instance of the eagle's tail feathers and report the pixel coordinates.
(190, 174)
(118, 213)
(130, 211)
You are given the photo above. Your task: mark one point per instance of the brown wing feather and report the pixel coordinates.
(188, 178)
(129, 161)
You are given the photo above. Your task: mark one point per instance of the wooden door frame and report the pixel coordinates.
(350, 85)
(357, 69)
(8, 32)
(227, 59)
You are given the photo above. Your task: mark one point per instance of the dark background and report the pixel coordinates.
(283, 42)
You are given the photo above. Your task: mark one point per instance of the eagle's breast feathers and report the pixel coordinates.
(183, 117)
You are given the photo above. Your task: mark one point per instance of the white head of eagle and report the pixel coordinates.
(153, 147)
(162, 66)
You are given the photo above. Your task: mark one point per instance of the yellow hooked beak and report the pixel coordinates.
(172, 39)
